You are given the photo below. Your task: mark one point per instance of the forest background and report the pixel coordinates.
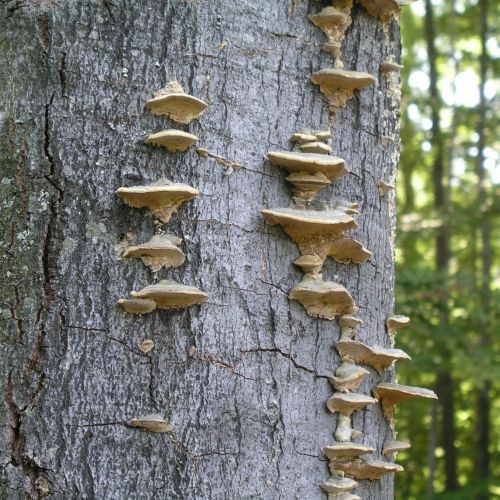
(448, 244)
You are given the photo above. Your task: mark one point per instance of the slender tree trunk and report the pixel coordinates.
(483, 403)
(242, 379)
(444, 383)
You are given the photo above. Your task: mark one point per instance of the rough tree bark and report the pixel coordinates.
(248, 410)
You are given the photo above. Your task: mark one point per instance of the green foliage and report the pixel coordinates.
(454, 324)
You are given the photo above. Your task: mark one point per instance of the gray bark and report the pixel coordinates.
(248, 413)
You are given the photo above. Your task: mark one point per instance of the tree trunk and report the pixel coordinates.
(242, 379)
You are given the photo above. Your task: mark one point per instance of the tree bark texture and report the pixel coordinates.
(248, 409)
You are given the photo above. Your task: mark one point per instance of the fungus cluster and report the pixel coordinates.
(163, 198)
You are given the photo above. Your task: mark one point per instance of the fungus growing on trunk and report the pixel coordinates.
(337, 485)
(396, 322)
(364, 469)
(171, 295)
(318, 233)
(339, 85)
(348, 324)
(379, 358)
(344, 432)
(384, 10)
(146, 346)
(385, 187)
(316, 147)
(394, 447)
(310, 171)
(334, 21)
(161, 250)
(173, 140)
(346, 449)
(390, 66)
(310, 264)
(173, 102)
(348, 376)
(392, 394)
(347, 403)
(151, 423)
(137, 306)
(323, 299)
(162, 197)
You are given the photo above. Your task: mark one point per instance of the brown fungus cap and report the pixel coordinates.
(364, 469)
(336, 484)
(323, 299)
(379, 358)
(174, 103)
(395, 446)
(151, 423)
(173, 140)
(392, 394)
(138, 306)
(171, 295)
(160, 251)
(348, 377)
(396, 322)
(347, 403)
(347, 449)
(162, 197)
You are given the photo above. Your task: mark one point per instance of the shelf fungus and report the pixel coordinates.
(385, 187)
(171, 295)
(344, 432)
(392, 394)
(162, 250)
(151, 423)
(348, 376)
(173, 140)
(394, 323)
(309, 171)
(348, 325)
(339, 85)
(348, 403)
(323, 299)
(364, 469)
(318, 233)
(390, 66)
(138, 306)
(346, 450)
(338, 485)
(377, 357)
(162, 197)
(334, 21)
(394, 447)
(384, 10)
(173, 102)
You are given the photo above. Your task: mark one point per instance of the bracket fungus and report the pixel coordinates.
(138, 306)
(162, 250)
(392, 394)
(338, 484)
(346, 449)
(384, 10)
(364, 469)
(318, 233)
(394, 447)
(390, 66)
(171, 295)
(323, 299)
(151, 423)
(173, 102)
(162, 197)
(173, 140)
(347, 403)
(309, 172)
(385, 187)
(147, 346)
(348, 324)
(316, 147)
(348, 376)
(344, 431)
(339, 85)
(377, 357)
(396, 322)
(334, 21)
